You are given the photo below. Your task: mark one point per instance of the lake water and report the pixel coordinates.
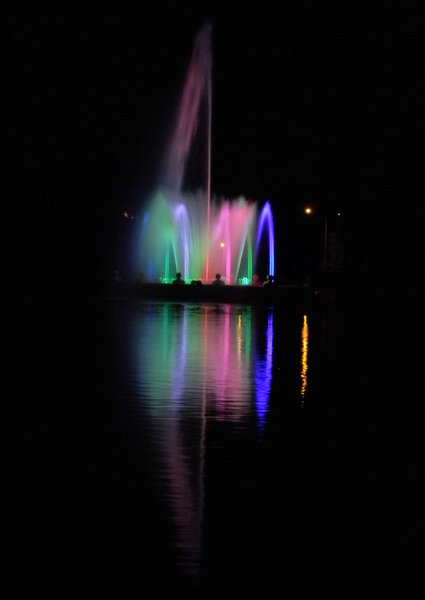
(216, 451)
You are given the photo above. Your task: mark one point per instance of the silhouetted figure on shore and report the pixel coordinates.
(307, 282)
(269, 281)
(178, 280)
(256, 281)
(217, 280)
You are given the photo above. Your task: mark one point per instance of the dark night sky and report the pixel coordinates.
(311, 104)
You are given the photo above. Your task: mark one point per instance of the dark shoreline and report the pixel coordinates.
(227, 293)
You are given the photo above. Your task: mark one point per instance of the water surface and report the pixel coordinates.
(216, 450)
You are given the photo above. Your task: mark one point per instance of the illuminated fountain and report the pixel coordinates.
(193, 232)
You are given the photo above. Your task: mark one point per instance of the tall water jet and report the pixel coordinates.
(190, 231)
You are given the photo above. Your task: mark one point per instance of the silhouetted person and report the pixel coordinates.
(256, 281)
(269, 281)
(217, 280)
(178, 280)
(307, 282)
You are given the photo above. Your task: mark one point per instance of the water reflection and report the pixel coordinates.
(183, 350)
(304, 358)
(263, 374)
(192, 365)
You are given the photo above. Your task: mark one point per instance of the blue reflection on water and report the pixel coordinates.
(264, 374)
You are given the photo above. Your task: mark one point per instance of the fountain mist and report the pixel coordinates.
(192, 232)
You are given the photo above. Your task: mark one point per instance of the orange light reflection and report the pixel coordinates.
(304, 358)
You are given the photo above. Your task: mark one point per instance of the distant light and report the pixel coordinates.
(222, 244)
(127, 215)
(338, 214)
(308, 211)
